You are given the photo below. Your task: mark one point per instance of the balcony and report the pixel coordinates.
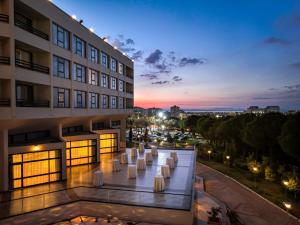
(28, 27)
(4, 60)
(37, 104)
(4, 18)
(4, 102)
(32, 66)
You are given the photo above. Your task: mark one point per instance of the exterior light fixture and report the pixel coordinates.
(227, 157)
(74, 17)
(132, 60)
(124, 53)
(36, 147)
(115, 47)
(287, 205)
(285, 182)
(209, 151)
(92, 30)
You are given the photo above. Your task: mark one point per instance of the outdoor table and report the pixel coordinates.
(133, 152)
(174, 156)
(116, 165)
(159, 183)
(148, 157)
(124, 158)
(98, 178)
(165, 171)
(154, 151)
(131, 172)
(170, 162)
(141, 148)
(141, 165)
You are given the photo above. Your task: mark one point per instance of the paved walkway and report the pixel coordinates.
(252, 209)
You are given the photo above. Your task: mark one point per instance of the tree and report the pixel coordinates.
(269, 174)
(289, 139)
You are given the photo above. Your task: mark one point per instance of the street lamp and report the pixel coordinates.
(287, 205)
(255, 169)
(209, 152)
(227, 157)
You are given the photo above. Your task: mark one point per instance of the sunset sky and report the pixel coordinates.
(203, 54)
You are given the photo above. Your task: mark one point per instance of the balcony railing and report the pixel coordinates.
(4, 18)
(4, 102)
(31, 29)
(32, 66)
(38, 104)
(4, 60)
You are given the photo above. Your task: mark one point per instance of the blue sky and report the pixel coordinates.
(202, 54)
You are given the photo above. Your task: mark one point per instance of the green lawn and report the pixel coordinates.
(270, 190)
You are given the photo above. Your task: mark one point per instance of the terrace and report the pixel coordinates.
(118, 191)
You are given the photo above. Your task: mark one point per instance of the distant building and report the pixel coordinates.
(175, 111)
(269, 109)
(153, 111)
(257, 110)
(139, 111)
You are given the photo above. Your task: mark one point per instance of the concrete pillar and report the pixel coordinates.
(4, 182)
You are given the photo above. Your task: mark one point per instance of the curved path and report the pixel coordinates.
(252, 209)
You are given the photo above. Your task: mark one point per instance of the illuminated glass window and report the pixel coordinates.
(81, 152)
(27, 169)
(108, 143)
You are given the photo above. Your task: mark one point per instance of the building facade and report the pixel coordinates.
(65, 94)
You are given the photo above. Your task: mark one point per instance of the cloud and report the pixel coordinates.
(273, 89)
(154, 57)
(137, 55)
(292, 87)
(149, 76)
(262, 98)
(276, 41)
(191, 61)
(177, 78)
(124, 45)
(297, 65)
(160, 82)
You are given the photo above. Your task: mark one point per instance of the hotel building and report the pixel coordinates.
(65, 94)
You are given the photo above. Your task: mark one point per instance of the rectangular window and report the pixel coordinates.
(113, 64)
(81, 152)
(113, 102)
(121, 103)
(93, 100)
(93, 77)
(61, 67)
(60, 36)
(121, 85)
(104, 59)
(79, 99)
(108, 143)
(104, 80)
(93, 54)
(78, 46)
(27, 169)
(113, 83)
(79, 73)
(104, 101)
(121, 68)
(61, 97)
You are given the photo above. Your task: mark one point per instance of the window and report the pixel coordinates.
(104, 80)
(72, 130)
(104, 59)
(93, 77)
(108, 143)
(113, 102)
(79, 99)
(81, 152)
(113, 65)
(78, 46)
(121, 68)
(79, 73)
(93, 54)
(121, 103)
(121, 85)
(93, 100)
(113, 83)
(61, 67)
(104, 101)
(61, 97)
(60, 36)
(33, 168)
